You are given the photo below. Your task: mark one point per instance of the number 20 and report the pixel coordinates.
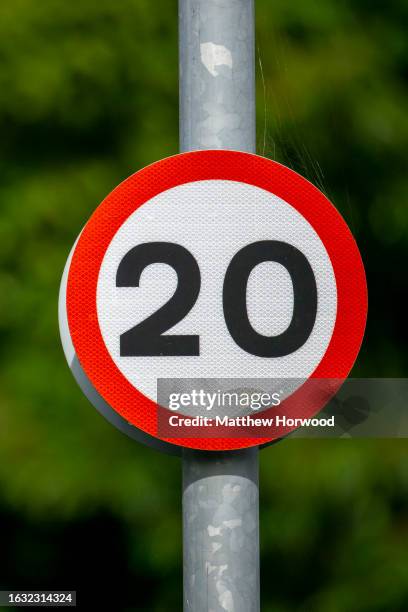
(148, 339)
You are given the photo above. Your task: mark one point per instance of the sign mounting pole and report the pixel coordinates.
(220, 489)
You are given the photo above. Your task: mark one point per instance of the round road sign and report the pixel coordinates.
(211, 265)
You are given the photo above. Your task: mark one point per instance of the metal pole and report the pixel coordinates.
(220, 490)
(217, 74)
(221, 531)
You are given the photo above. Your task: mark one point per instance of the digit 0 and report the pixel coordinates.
(235, 302)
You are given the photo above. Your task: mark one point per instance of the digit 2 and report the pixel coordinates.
(146, 338)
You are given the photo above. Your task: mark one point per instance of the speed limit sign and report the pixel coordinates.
(210, 265)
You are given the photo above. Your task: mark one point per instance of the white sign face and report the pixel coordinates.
(213, 265)
(212, 221)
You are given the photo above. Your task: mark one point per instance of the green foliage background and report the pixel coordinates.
(88, 94)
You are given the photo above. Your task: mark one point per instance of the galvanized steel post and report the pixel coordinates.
(220, 490)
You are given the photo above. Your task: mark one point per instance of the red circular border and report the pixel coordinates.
(266, 174)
